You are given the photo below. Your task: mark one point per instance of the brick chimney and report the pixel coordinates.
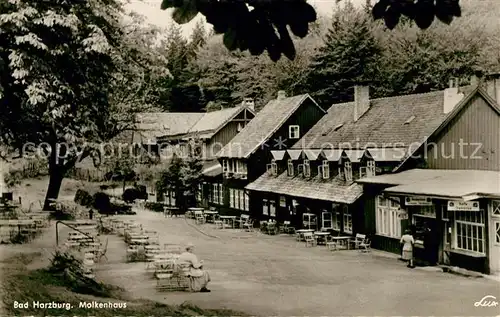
(492, 86)
(249, 103)
(451, 96)
(361, 101)
(281, 94)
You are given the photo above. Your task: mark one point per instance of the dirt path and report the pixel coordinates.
(274, 275)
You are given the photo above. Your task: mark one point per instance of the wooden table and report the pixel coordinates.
(321, 234)
(300, 233)
(344, 240)
(227, 218)
(210, 215)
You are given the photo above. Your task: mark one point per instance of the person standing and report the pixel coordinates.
(408, 242)
(91, 213)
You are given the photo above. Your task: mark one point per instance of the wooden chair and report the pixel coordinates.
(331, 244)
(309, 239)
(102, 251)
(199, 217)
(219, 224)
(365, 246)
(285, 228)
(358, 239)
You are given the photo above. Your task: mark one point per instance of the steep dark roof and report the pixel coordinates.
(389, 122)
(263, 126)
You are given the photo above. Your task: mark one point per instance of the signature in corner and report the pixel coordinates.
(487, 301)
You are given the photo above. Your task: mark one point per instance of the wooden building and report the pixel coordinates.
(278, 125)
(357, 143)
(173, 133)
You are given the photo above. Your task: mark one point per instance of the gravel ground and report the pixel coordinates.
(275, 275)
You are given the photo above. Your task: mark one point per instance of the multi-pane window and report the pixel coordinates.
(307, 168)
(370, 168)
(247, 202)
(387, 219)
(265, 207)
(274, 167)
(241, 199)
(290, 168)
(469, 231)
(347, 217)
(348, 171)
(272, 208)
(327, 220)
(215, 192)
(225, 166)
(231, 197)
(294, 132)
(199, 194)
(337, 217)
(326, 169)
(221, 195)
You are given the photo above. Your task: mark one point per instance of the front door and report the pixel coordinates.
(495, 237)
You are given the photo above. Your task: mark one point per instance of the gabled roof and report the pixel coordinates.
(215, 120)
(385, 124)
(458, 109)
(334, 190)
(152, 125)
(173, 124)
(263, 126)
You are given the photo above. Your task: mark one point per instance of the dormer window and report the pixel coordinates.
(290, 168)
(326, 169)
(294, 132)
(272, 168)
(348, 171)
(307, 168)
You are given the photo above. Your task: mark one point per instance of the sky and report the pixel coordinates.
(151, 10)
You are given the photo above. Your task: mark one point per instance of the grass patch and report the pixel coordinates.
(46, 286)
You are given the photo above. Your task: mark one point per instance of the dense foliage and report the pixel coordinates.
(259, 26)
(345, 49)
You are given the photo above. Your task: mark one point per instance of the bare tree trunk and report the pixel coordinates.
(55, 182)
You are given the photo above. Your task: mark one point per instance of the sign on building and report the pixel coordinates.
(418, 201)
(457, 205)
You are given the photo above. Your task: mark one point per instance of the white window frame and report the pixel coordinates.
(241, 199)
(307, 168)
(225, 167)
(325, 169)
(496, 228)
(370, 168)
(495, 208)
(274, 167)
(473, 221)
(247, 201)
(272, 208)
(336, 217)
(231, 197)
(221, 194)
(290, 168)
(348, 171)
(215, 188)
(329, 219)
(387, 221)
(347, 219)
(294, 132)
(265, 207)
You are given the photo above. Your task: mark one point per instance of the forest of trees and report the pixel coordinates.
(340, 51)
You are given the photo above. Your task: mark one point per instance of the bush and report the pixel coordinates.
(84, 198)
(102, 203)
(130, 194)
(158, 207)
(143, 193)
(121, 209)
